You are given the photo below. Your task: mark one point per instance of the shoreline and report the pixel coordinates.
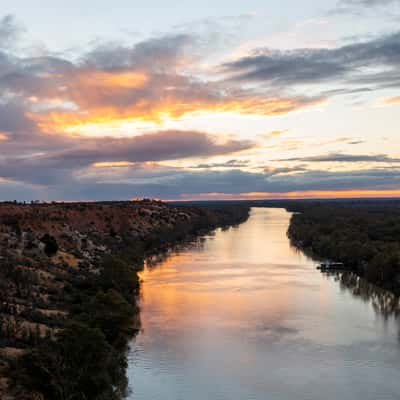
(342, 234)
(394, 290)
(101, 308)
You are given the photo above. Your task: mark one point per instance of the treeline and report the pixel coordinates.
(365, 236)
(85, 356)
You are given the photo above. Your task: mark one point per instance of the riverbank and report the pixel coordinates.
(364, 236)
(242, 314)
(69, 288)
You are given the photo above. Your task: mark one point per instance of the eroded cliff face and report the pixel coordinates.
(46, 248)
(81, 229)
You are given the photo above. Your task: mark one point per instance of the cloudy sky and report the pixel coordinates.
(199, 100)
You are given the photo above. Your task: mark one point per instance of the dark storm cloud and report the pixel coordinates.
(312, 66)
(339, 157)
(165, 145)
(60, 165)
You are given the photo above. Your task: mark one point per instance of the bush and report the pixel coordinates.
(77, 366)
(113, 316)
(120, 276)
(51, 245)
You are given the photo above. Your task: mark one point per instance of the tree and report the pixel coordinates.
(75, 367)
(51, 245)
(118, 275)
(114, 316)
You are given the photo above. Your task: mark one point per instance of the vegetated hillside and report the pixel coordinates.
(68, 283)
(363, 235)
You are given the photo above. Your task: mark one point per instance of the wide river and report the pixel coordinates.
(242, 315)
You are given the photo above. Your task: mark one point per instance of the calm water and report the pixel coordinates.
(242, 315)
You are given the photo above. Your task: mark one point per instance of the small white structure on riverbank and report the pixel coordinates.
(331, 265)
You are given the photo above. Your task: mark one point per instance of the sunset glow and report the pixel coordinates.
(218, 107)
(94, 120)
(295, 195)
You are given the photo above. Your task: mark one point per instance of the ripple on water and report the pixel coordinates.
(242, 315)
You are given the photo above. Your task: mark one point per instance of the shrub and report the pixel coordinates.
(76, 366)
(51, 245)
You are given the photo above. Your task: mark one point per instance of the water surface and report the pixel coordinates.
(242, 315)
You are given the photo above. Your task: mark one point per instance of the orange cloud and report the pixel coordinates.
(129, 79)
(89, 97)
(161, 110)
(352, 193)
(122, 164)
(112, 164)
(3, 136)
(308, 194)
(390, 101)
(277, 132)
(273, 134)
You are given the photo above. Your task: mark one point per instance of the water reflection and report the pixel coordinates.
(384, 303)
(244, 315)
(196, 244)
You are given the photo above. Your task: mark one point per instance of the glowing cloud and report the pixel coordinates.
(3, 136)
(307, 194)
(390, 101)
(96, 115)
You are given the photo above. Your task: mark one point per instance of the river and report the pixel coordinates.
(242, 315)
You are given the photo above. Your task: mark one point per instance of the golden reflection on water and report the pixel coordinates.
(190, 282)
(242, 314)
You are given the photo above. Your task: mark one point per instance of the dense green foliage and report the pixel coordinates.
(76, 366)
(363, 235)
(87, 358)
(51, 245)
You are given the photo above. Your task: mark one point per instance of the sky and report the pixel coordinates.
(198, 100)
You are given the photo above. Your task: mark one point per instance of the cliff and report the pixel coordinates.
(52, 253)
